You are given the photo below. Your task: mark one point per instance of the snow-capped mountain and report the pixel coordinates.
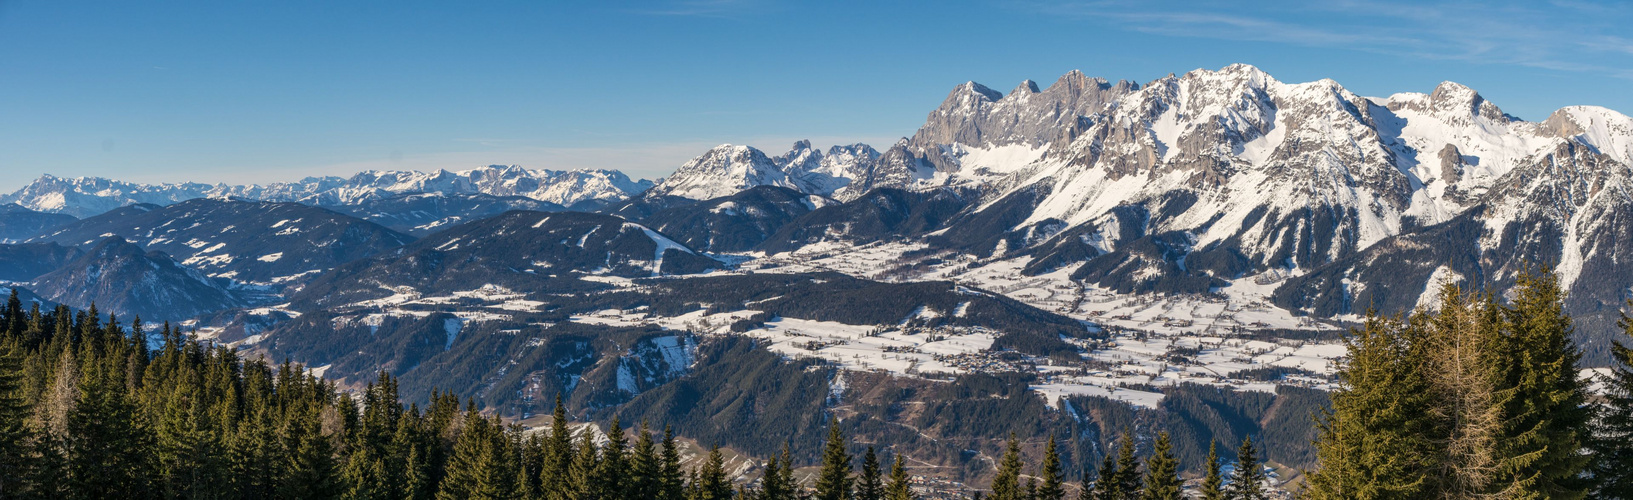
(122, 278)
(1190, 182)
(723, 171)
(421, 214)
(255, 242)
(88, 196)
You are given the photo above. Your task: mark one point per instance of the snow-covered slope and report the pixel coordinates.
(88, 196)
(121, 278)
(723, 171)
(1193, 181)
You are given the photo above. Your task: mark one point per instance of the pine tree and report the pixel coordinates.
(1053, 486)
(1377, 441)
(104, 443)
(772, 486)
(672, 486)
(834, 482)
(1162, 472)
(645, 468)
(900, 487)
(1247, 482)
(1007, 485)
(581, 475)
(1612, 443)
(1543, 407)
(712, 483)
(416, 476)
(1106, 479)
(555, 477)
(870, 486)
(1462, 369)
(482, 466)
(310, 472)
(1213, 484)
(1088, 492)
(1128, 478)
(15, 434)
(612, 471)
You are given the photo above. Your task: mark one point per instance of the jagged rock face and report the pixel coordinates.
(565, 188)
(18, 223)
(89, 196)
(976, 116)
(257, 242)
(829, 174)
(1249, 173)
(121, 278)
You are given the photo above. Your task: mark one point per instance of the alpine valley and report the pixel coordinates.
(1071, 261)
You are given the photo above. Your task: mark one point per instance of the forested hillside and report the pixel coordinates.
(1477, 399)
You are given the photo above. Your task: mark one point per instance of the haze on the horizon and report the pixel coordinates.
(259, 91)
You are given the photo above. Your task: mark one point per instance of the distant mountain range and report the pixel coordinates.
(1181, 184)
(581, 189)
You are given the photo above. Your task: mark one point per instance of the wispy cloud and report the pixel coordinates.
(1559, 35)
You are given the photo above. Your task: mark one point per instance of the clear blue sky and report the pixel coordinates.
(258, 91)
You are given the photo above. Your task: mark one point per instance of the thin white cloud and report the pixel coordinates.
(1561, 35)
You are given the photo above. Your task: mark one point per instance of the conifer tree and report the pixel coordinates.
(581, 475)
(1105, 480)
(1053, 486)
(1162, 472)
(1462, 375)
(1612, 444)
(1377, 441)
(310, 472)
(1247, 481)
(612, 470)
(1542, 404)
(900, 487)
(834, 481)
(104, 442)
(1007, 485)
(712, 483)
(482, 466)
(15, 434)
(1213, 484)
(645, 467)
(555, 478)
(1088, 492)
(1128, 477)
(772, 486)
(870, 484)
(671, 487)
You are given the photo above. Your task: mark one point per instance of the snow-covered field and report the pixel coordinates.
(1157, 340)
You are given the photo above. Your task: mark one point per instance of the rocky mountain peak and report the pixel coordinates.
(721, 171)
(1026, 88)
(971, 92)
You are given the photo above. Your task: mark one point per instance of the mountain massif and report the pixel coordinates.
(1186, 250)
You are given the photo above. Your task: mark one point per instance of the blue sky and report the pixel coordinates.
(261, 91)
